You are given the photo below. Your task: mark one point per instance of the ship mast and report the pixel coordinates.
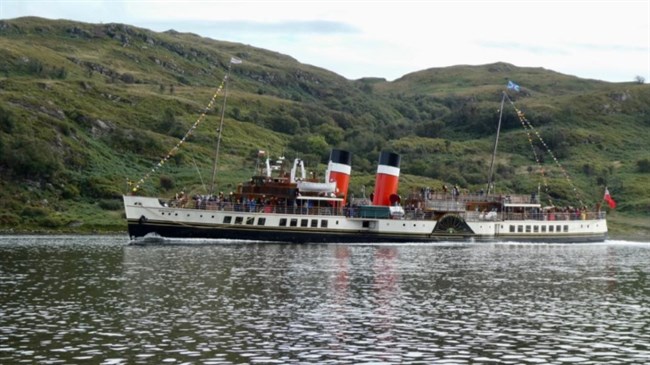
(220, 130)
(496, 143)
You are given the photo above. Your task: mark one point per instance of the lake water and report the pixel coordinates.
(96, 300)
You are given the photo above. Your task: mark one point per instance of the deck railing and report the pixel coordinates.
(450, 206)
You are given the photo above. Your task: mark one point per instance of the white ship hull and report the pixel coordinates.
(146, 215)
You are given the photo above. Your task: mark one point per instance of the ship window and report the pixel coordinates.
(250, 220)
(366, 224)
(566, 228)
(520, 229)
(536, 229)
(261, 221)
(239, 220)
(527, 229)
(558, 228)
(543, 229)
(550, 228)
(227, 219)
(323, 223)
(294, 222)
(512, 228)
(283, 222)
(304, 222)
(314, 223)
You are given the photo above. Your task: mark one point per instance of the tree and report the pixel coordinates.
(314, 144)
(639, 79)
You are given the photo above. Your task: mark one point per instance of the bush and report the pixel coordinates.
(9, 219)
(50, 222)
(7, 120)
(34, 67)
(99, 187)
(110, 204)
(643, 166)
(139, 142)
(31, 158)
(70, 191)
(166, 182)
(127, 78)
(60, 73)
(170, 125)
(34, 212)
(430, 129)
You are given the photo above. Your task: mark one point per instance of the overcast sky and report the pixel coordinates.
(597, 39)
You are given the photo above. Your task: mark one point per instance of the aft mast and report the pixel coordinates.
(223, 113)
(496, 143)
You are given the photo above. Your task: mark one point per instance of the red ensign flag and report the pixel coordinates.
(609, 200)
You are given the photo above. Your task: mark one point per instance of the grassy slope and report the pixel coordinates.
(104, 120)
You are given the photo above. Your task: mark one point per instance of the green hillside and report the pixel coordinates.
(84, 108)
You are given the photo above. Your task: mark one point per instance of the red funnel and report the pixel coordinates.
(339, 169)
(387, 178)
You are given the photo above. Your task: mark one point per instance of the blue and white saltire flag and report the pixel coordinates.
(235, 60)
(513, 86)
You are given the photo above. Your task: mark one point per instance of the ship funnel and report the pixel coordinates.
(339, 169)
(387, 179)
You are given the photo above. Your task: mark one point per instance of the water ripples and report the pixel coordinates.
(85, 299)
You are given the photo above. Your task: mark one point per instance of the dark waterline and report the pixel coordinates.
(96, 300)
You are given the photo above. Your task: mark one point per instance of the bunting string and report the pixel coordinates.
(178, 145)
(527, 125)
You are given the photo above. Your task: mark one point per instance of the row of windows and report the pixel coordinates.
(284, 222)
(261, 221)
(536, 228)
(313, 223)
(249, 220)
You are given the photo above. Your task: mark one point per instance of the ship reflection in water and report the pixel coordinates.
(93, 299)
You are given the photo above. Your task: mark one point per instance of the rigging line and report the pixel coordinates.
(522, 117)
(173, 151)
(199, 172)
(528, 128)
(527, 125)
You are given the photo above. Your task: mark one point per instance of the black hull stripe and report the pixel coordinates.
(137, 229)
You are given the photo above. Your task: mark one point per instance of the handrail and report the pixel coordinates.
(409, 213)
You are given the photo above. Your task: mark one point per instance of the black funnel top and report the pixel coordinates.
(389, 159)
(342, 157)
